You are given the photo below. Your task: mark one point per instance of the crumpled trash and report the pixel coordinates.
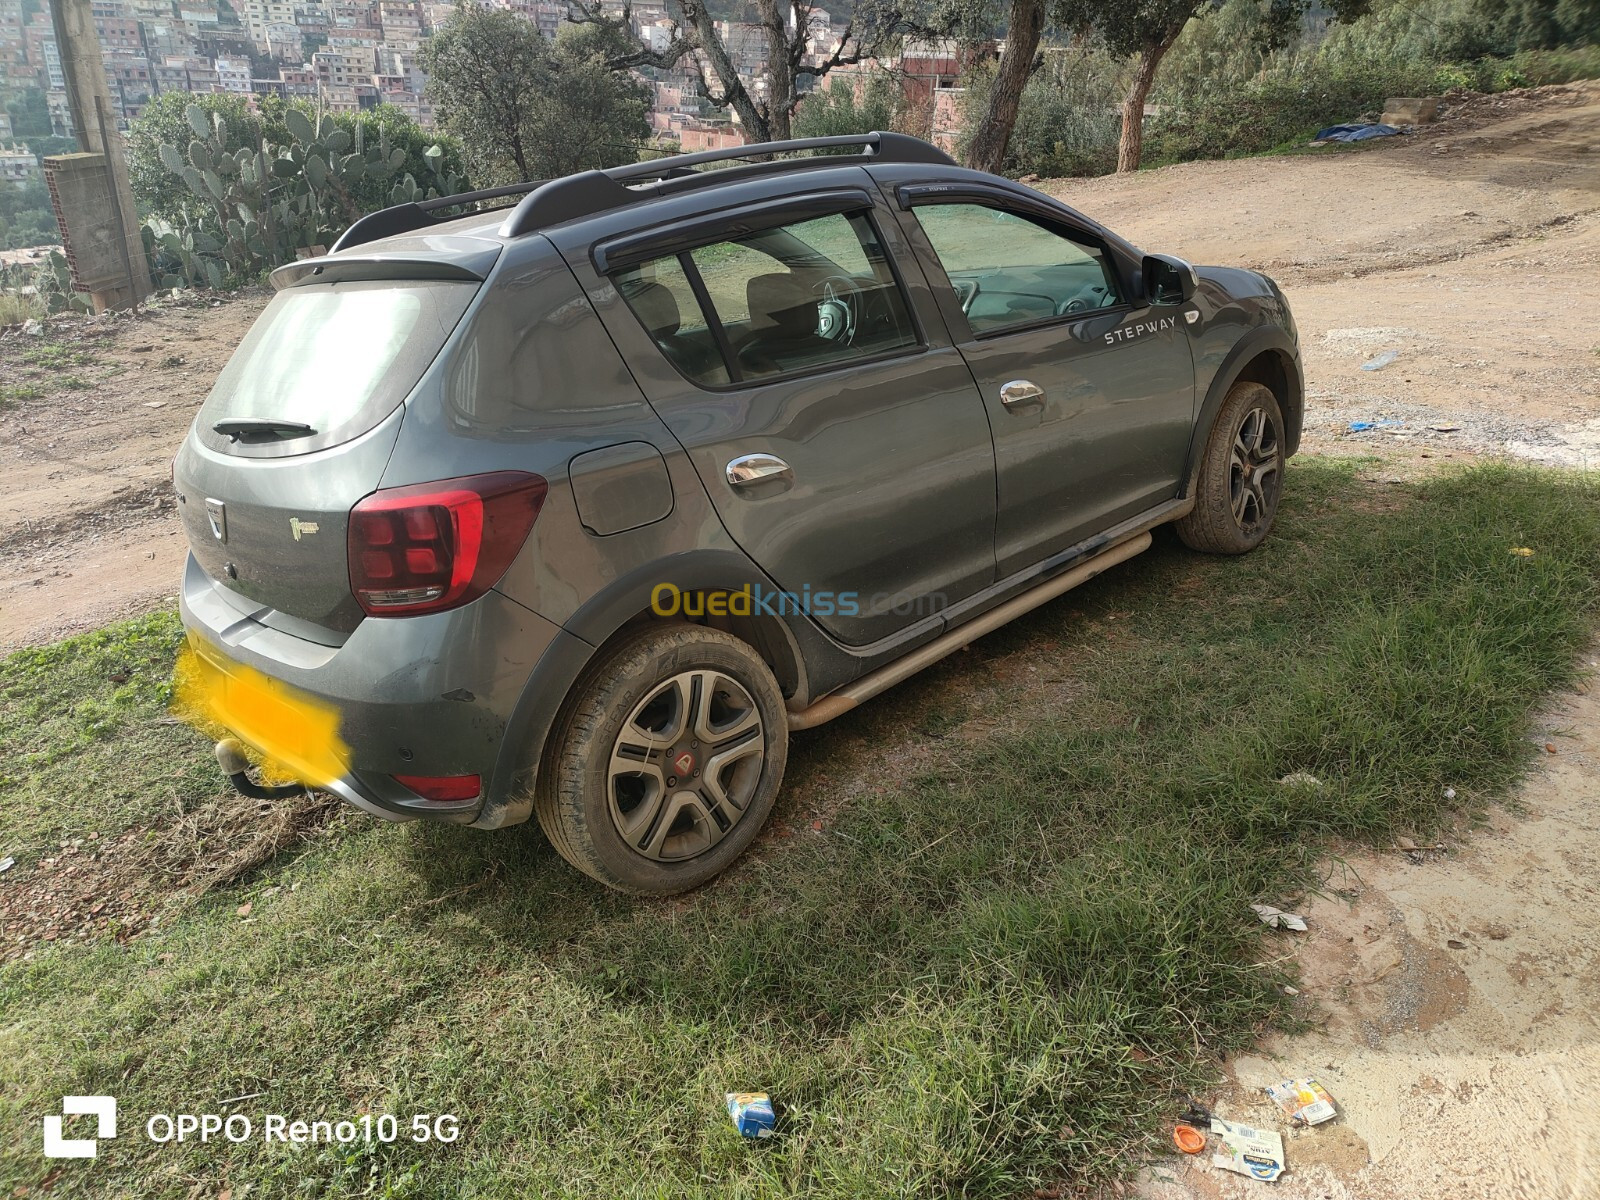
(7, 863)
(1300, 779)
(1277, 918)
(1363, 426)
(1359, 132)
(33, 327)
(1379, 361)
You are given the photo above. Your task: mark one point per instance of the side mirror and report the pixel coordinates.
(1168, 280)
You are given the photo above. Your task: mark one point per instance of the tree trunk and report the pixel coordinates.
(987, 151)
(1131, 148)
(780, 68)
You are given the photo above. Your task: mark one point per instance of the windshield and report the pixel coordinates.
(334, 357)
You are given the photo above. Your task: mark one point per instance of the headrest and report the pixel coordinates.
(783, 302)
(657, 308)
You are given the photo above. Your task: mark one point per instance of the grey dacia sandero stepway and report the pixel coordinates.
(575, 508)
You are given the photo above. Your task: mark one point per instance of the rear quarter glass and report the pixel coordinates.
(339, 357)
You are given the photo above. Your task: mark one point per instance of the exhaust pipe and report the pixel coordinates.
(231, 758)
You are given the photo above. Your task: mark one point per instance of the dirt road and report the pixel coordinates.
(91, 414)
(1470, 248)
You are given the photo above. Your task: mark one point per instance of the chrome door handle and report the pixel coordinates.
(754, 468)
(1020, 391)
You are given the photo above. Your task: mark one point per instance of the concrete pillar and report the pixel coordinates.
(94, 125)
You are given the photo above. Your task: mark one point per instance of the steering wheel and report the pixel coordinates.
(839, 309)
(1076, 304)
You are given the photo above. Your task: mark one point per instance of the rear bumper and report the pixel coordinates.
(433, 695)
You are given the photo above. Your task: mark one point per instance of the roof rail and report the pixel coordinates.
(596, 191)
(403, 218)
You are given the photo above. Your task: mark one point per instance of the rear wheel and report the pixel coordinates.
(667, 761)
(1241, 474)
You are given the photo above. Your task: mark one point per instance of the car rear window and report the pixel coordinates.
(338, 357)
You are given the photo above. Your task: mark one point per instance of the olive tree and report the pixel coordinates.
(527, 108)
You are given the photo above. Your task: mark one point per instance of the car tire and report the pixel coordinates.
(666, 760)
(1241, 475)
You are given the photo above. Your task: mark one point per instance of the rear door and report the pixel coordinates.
(836, 430)
(296, 430)
(1090, 392)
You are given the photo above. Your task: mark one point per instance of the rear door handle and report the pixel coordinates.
(1020, 391)
(748, 469)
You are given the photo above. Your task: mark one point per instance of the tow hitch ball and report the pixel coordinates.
(231, 758)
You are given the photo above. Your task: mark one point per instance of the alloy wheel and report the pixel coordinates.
(1254, 477)
(686, 764)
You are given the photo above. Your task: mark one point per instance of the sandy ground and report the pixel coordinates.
(1458, 1023)
(1470, 247)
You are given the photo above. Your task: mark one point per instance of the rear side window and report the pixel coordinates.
(790, 299)
(338, 357)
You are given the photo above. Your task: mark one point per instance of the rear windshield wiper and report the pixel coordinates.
(248, 427)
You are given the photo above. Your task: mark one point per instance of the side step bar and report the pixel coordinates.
(838, 703)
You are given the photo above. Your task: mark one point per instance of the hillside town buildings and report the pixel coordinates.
(350, 55)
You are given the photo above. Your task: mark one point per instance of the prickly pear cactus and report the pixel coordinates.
(253, 209)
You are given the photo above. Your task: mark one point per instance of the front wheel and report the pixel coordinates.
(667, 760)
(1241, 475)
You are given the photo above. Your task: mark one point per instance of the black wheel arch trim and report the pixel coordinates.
(1261, 340)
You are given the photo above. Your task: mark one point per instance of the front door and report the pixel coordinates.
(1090, 392)
(846, 451)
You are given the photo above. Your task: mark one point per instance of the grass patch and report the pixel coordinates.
(54, 356)
(16, 309)
(990, 968)
(15, 393)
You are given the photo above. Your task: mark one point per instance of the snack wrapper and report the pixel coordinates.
(1304, 1100)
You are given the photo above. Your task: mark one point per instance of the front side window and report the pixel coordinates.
(1008, 271)
(798, 297)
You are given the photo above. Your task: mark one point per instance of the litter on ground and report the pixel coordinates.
(1257, 1153)
(1354, 133)
(1277, 918)
(1304, 1100)
(752, 1114)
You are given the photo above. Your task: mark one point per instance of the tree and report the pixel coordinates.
(1541, 24)
(834, 111)
(767, 116)
(1018, 62)
(526, 108)
(1143, 28)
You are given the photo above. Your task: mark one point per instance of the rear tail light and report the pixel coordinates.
(433, 546)
(442, 787)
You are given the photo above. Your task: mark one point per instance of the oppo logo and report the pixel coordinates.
(102, 1108)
